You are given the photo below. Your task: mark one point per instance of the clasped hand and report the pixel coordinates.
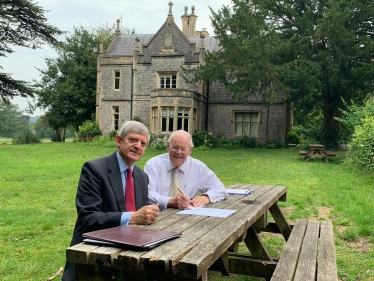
(145, 215)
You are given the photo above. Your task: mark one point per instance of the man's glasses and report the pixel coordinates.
(133, 140)
(176, 149)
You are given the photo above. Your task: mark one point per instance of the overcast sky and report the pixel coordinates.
(145, 16)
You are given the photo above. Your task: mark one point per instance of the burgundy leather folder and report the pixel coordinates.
(131, 236)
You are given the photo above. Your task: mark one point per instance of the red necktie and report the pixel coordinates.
(130, 197)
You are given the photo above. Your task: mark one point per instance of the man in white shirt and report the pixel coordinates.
(193, 177)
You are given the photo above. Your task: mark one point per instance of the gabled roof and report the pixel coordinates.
(124, 45)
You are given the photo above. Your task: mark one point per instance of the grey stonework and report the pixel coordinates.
(141, 59)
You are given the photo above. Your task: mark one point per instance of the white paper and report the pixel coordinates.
(239, 191)
(211, 212)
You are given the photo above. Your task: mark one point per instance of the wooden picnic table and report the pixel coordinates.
(316, 151)
(207, 242)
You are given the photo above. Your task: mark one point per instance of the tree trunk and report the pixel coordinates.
(329, 113)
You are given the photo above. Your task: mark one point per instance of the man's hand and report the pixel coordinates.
(145, 215)
(199, 201)
(179, 201)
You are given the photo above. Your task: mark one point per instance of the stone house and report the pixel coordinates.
(141, 75)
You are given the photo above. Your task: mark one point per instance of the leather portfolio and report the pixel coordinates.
(130, 236)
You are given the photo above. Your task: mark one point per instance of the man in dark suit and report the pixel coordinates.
(103, 199)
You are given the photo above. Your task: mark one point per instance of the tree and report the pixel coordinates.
(12, 120)
(22, 23)
(315, 52)
(67, 88)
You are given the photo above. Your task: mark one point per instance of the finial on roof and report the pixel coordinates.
(193, 10)
(137, 44)
(185, 10)
(118, 31)
(202, 43)
(170, 9)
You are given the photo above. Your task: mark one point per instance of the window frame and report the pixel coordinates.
(115, 117)
(116, 80)
(250, 122)
(167, 80)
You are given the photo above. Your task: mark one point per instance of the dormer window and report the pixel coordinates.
(168, 80)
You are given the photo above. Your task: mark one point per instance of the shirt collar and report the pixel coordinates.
(122, 164)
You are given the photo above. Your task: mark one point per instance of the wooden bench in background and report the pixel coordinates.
(303, 152)
(309, 253)
(329, 153)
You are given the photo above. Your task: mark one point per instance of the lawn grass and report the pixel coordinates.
(38, 185)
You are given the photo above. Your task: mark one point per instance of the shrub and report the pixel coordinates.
(112, 134)
(361, 152)
(293, 137)
(89, 130)
(26, 136)
(200, 138)
(157, 144)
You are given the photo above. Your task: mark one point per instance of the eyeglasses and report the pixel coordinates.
(176, 149)
(133, 140)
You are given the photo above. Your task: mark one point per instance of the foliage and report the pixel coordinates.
(89, 130)
(331, 139)
(314, 52)
(293, 137)
(112, 134)
(200, 138)
(22, 24)
(26, 136)
(354, 115)
(67, 88)
(361, 152)
(136, 118)
(156, 144)
(12, 120)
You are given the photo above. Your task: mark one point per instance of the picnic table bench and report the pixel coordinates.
(309, 253)
(316, 151)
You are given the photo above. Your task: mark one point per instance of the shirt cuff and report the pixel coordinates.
(125, 218)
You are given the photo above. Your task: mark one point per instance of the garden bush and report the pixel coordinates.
(293, 137)
(361, 152)
(26, 136)
(89, 130)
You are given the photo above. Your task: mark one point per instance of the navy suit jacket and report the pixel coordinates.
(100, 199)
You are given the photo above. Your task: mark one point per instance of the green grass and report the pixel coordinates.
(38, 185)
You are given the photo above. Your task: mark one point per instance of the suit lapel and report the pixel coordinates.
(114, 177)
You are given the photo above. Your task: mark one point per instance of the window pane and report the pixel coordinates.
(174, 81)
(164, 111)
(171, 125)
(239, 117)
(117, 74)
(171, 112)
(167, 82)
(179, 125)
(179, 112)
(186, 112)
(185, 125)
(253, 130)
(116, 84)
(163, 124)
(246, 129)
(254, 117)
(238, 128)
(162, 82)
(247, 117)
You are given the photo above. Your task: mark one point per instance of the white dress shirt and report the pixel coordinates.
(194, 177)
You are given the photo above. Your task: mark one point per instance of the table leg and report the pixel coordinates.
(280, 220)
(255, 245)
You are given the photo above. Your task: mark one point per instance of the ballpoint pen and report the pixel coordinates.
(181, 191)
